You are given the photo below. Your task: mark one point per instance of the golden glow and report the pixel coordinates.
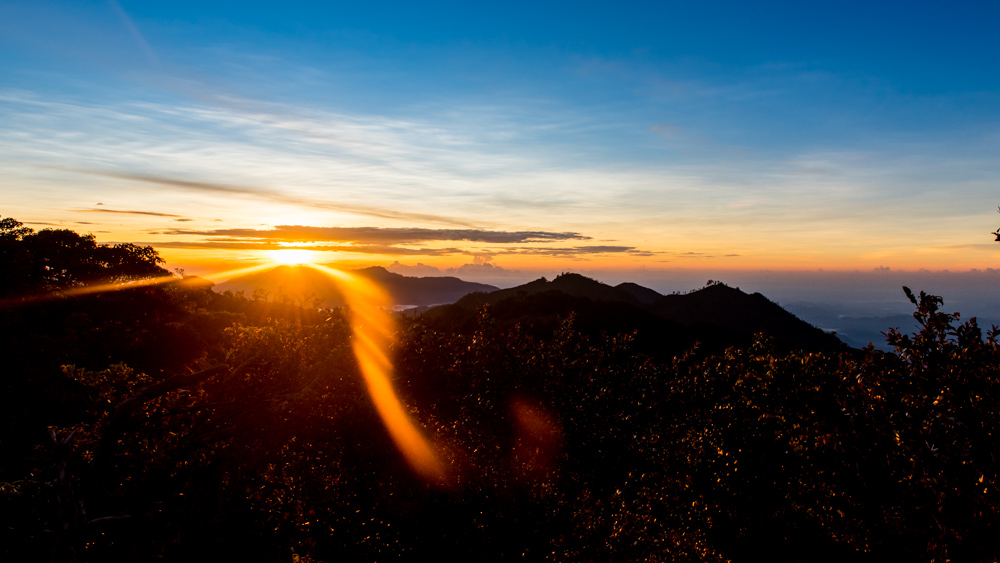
(292, 256)
(107, 287)
(227, 274)
(373, 331)
(86, 290)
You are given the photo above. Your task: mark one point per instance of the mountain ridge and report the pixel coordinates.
(713, 317)
(302, 283)
(716, 316)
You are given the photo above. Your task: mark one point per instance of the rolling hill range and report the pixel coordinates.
(302, 283)
(716, 316)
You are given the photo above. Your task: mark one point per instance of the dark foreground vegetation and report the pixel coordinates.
(172, 423)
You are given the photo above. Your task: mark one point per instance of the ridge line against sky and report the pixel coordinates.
(661, 135)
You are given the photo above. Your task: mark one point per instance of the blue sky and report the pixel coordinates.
(710, 135)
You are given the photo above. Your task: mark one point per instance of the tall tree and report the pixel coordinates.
(60, 259)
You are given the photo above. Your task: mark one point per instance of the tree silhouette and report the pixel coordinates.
(60, 259)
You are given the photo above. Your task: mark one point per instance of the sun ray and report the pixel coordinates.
(373, 328)
(84, 290)
(91, 289)
(227, 274)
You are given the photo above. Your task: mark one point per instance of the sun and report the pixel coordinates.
(291, 256)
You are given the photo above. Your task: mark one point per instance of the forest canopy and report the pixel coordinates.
(170, 422)
(53, 259)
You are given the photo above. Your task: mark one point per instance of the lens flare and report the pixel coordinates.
(84, 290)
(228, 274)
(373, 332)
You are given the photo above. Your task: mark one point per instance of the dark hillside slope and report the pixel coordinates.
(716, 317)
(719, 305)
(540, 315)
(639, 293)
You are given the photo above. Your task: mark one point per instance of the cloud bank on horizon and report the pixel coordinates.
(785, 136)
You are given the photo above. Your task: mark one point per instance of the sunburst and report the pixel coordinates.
(373, 327)
(293, 256)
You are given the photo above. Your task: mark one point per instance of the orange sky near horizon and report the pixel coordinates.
(210, 263)
(217, 243)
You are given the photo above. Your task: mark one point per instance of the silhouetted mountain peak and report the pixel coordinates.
(571, 284)
(717, 314)
(639, 293)
(377, 273)
(582, 286)
(722, 305)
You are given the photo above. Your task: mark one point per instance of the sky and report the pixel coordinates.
(498, 140)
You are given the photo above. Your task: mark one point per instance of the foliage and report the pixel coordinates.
(248, 435)
(51, 260)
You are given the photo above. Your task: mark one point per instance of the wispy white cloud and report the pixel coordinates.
(482, 168)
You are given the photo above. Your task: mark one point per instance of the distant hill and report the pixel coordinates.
(638, 292)
(301, 283)
(717, 316)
